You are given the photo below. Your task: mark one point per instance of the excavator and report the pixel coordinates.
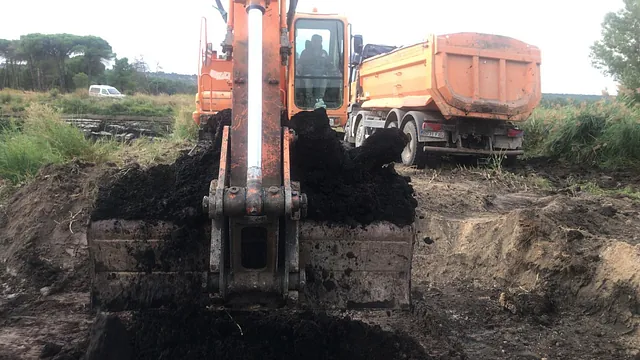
(263, 251)
(215, 72)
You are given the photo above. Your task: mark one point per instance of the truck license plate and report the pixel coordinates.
(435, 134)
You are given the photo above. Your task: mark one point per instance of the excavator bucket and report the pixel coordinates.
(341, 267)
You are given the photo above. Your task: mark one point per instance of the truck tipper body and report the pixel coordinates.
(460, 94)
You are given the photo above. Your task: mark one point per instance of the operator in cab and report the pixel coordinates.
(314, 62)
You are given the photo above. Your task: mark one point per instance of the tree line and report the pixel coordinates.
(41, 62)
(617, 52)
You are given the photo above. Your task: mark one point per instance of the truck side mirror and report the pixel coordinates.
(357, 44)
(355, 59)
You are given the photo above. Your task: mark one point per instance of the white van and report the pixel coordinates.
(105, 90)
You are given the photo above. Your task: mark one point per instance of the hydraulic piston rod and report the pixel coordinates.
(254, 111)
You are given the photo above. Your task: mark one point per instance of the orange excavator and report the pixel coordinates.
(300, 88)
(261, 243)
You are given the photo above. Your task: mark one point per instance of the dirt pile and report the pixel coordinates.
(167, 193)
(343, 186)
(549, 253)
(350, 186)
(42, 232)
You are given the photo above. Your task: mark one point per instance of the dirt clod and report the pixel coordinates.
(50, 350)
(109, 340)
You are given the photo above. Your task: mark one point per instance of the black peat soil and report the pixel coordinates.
(355, 186)
(164, 192)
(261, 335)
(348, 186)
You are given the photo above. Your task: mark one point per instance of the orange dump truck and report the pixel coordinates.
(458, 94)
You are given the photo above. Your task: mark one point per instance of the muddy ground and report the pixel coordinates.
(520, 263)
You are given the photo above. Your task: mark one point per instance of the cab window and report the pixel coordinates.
(319, 63)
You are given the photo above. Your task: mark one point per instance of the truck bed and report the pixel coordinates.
(460, 75)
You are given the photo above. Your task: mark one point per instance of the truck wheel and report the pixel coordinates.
(360, 134)
(413, 153)
(392, 124)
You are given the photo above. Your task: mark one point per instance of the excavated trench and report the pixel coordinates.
(346, 186)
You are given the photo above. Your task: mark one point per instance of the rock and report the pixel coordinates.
(109, 340)
(50, 350)
(115, 128)
(45, 291)
(101, 134)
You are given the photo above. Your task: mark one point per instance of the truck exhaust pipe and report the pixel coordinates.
(254, 112)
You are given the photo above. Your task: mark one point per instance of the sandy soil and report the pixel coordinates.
(506, 266)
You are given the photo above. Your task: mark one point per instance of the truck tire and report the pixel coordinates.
(413, 154)
(360, 132)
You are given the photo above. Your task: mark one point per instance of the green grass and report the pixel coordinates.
(43, 138)
(604, 134)
(184, 128)
(16, 102)
(594, 189)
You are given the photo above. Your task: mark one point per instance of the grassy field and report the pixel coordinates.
(43, 137)
(603, 134)
(16, 102)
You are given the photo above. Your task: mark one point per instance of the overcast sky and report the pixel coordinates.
(168, 31)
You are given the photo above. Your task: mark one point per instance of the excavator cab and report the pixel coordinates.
(320, 43)
(262, 250)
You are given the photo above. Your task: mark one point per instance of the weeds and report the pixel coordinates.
(603, 134)
(41, 139)
(594, 189)
(184, 127)
(145, 151)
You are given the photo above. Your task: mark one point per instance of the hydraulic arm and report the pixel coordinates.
(253, 202)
